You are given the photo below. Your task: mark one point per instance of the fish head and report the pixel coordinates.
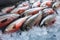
(56, 5)
(48, 21)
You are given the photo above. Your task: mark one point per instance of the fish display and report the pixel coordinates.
(25, 15)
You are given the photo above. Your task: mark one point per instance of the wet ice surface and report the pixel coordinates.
(37, 33)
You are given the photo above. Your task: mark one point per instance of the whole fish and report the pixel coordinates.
(47, 4)
(16, 25)
(20, 10)
(36, 4)
(33, 11)
(6, 19)
(49, 20)
(7, 9)
(34, 20)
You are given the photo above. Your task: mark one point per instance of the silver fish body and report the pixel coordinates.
(32, 21)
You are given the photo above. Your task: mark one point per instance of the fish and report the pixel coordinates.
(33, 11)
(36, 4)
(48, 20)
(8, 18)
(47, 4)
(20, 10)
(33, 20)
(7, 9)
(16, 25)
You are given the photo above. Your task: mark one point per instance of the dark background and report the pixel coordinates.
(4, 3)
